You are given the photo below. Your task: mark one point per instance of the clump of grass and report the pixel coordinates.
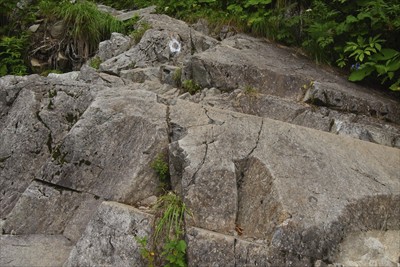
(86, 25)
(95, 62)
(167, 246)
(177, 77)
(139, 32)
(250, 91)
(191, 86)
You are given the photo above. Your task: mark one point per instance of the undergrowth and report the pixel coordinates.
(166, 246)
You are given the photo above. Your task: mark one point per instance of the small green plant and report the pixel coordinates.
(177, 77)
(191, 86)
(168, 247)
(174, 253)
(95, 62)
(138, 33)
(145, 251)
(160, 166)
(250, 91)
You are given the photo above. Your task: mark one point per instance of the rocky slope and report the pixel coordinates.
(281, 163)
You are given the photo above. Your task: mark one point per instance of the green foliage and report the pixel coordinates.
(146, 252)
(168, 247)
(95, 63)
(11, 55)
(250, 91)
(177, 77)
(342, 31)
(191, 86)
(160, 166)
(174, 253)
(86, 25)
(138, 33)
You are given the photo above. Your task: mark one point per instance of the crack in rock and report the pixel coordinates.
(257, 141)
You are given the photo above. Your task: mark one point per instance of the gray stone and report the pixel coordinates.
(117, 44)
(242, 61)
(278, 181)
(372, 248)
(140, 75)
(68, 76)
(350, 98)
(109, 10)
(41, 111)
(140, 12)
(110, 239)
(34, 250)
(154, 47)
(56, 211)
(170, 75)
(207, 248)
(57, 30)
(109, 150)
(34, 27)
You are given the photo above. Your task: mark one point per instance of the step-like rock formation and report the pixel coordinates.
(281, 163)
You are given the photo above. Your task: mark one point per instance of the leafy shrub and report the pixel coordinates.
(11, 55)
(160, 166)
(191, 86)
(95, 63)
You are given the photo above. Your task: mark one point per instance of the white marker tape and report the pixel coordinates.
(174, 46)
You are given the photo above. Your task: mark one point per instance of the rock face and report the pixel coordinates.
(280, 163)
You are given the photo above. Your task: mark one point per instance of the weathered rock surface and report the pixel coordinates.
(110, 238)
(266, 156)
(34, 250)
(260, 174)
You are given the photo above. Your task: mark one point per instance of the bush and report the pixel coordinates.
(86, 25)
(11, 55)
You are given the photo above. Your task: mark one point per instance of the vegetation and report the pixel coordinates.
(160, 166)
(166, 246)
(360, 36)
(95, 63)
(138, 33)
(191, 86)
(11, 55)
(83, 24)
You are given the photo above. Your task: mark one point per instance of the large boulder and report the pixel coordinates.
(167, 41)
(111, 238)
(242, 61)
(278, 183)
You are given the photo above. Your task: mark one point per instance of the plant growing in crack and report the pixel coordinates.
(191, 86)
(166, 246)
(160, 166)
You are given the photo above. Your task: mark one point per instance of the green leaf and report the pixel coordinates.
(381, 69)
(361, 73)
(181, 245)
(394, 65)
(384, 54)
(351, 19)
(395, 86)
